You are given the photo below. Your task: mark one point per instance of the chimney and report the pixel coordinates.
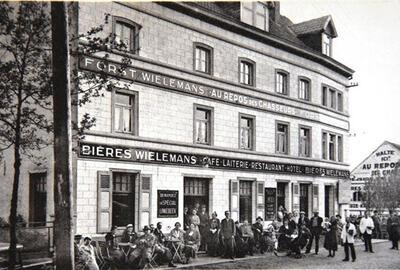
(275, 11)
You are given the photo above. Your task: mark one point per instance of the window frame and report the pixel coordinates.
(210, 59)
(308, 95)
(252, 74)
(211, 126)
(287, 76)
(309, 141)
(253, 131)
(338, 148)
(135, 110)
(254, 13)
(134, 44)
(328, 38)
(339, 103)
(277, 122)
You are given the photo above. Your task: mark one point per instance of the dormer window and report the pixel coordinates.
(256, 14)
(326, 44)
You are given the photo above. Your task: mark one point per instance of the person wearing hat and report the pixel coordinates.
(315, 227)
(91, 251)
(192, 243)
(303, 219)
(81, 258)
(258, 234)
(128, 236)
(348, 233)
(228, 235)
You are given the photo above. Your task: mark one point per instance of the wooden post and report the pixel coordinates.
(63, 229)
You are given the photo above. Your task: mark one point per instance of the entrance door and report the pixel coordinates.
(196, 193)
(245, 201)
(304, 198)
(37, 198)
(123, 198)
(280, 194)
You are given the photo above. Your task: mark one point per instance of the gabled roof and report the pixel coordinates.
(395, 145)
(317, 25)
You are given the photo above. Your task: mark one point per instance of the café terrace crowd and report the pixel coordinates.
(287, 235)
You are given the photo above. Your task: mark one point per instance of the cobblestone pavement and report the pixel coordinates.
(383, 258)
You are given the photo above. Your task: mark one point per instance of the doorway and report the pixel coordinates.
(245, 201)
(196, 193)
(280, 195)
(304, 198)
(37, 199)
(123, 198)
(328, 201)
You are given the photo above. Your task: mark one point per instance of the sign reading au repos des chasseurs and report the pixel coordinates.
(167, 203)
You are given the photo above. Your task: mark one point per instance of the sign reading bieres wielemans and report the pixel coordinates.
(121, 153)
(167, 203)
(173, 83)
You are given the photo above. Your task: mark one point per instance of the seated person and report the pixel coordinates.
(159, 234)
(163, 253)
(177, 234)
(91, 251)
(81, 258)
(299, 242)
(258, 232)
(285, 235)
(128, 236)
(192, 242)
(247, 235)
(115, 255)
(143, 249)
(270, 237)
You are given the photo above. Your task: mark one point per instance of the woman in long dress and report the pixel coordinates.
(213, 233)
(330, 242)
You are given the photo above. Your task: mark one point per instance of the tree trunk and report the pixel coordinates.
(63, 222)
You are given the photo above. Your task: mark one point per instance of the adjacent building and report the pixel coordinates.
(380, 163)
(226, 104)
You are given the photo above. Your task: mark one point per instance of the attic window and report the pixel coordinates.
(256, 14)
(326, 44)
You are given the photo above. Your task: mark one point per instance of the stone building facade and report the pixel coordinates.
(226, 105)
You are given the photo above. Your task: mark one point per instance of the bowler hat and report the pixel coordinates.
(146, 228)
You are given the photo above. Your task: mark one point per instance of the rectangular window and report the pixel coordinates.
(332, 99)
(304, 89)
(246, 72)
(126, 35)
(202, 125)
(340, 102)
(245, 200)
(340, 148)
(281, 83)
(332, 147)
(37, 199)
(324, 145)
(203, 59)
(282, 138)
(246, 133)
(326, 45)
(325, 96)
(256, 14)
(125, 112)
(305, 142)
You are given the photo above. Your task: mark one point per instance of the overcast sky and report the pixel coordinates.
(368, 42)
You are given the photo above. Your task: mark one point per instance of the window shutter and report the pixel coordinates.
(234, 199)
(104, 201)
(144, 200)
(296, 197)
(260, 199)
(315, 198)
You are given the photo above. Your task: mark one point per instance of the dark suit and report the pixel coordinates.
(304, 221)
(315, 226)
(203, 228)
(227, 235)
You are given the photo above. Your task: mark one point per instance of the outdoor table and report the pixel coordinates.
(5, 246)
(177, 247)
(123, 247)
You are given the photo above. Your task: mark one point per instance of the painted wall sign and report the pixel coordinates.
(173, 83)
(167, 203)
(270, 203)
(123, 153)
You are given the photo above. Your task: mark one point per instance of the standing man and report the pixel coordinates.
(366, 227)
(228, 235)
(303, 220)
(203, 226)
(348, 233)
(316, 230)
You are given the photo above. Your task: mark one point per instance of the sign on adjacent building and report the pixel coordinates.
(167, 203)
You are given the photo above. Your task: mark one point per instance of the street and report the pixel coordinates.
(383, 258)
